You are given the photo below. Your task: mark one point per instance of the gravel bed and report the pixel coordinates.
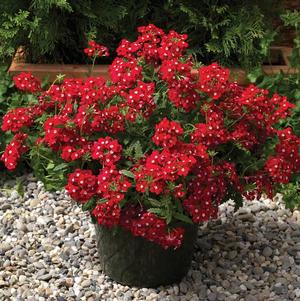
(48, 252)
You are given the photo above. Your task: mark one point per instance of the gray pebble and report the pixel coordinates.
(212, 296)
(44, 277)
(3, 283)
(279, 289)
(232, 254)
(5, 247)
(86, 283)
(5, 207)
(251, 298)
(59, 210)
(14, 195)
(246, 217)
(34, 202)
(267, 251)
(128, 296)
(183, 287)
(21, 226)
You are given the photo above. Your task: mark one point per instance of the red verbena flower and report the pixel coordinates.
(172, 45)
(26, 82)
(14, 150)
(16, 119)
(96, 50)
(140, 100)
(112, 185)
(213, 80)
(167, 133)
(108, 213)
(125, 72)
(82, 185)
(107, 151)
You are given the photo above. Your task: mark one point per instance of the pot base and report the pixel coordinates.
(135, 261)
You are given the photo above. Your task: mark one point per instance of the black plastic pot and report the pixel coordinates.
(134, 261)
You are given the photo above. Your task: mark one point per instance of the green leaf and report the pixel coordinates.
(169, 216)
(60, 167)
(89, 205)
(182, 217)
(157, 211)
(127, 173)
(20, 188)
(255, 74)
(138, 151)
(50, 165)
(291, 194)
(154, 202)
(101, 201)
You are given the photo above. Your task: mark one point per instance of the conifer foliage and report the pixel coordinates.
(231, 32)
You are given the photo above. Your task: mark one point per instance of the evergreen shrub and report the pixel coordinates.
(231, 32)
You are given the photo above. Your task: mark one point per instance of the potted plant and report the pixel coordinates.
(154, 152)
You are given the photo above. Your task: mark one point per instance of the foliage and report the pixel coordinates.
(231, 32)
(11, 98)
(291, 194)
(286, 84)
(158, 144)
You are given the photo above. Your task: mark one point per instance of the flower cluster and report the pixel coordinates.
(26, 82)
(112, 187)
(107, 151)
(160, 168)
(140, 100)
(287, 157)
(166, 133)
(145, 224)
(96, 50)
(213, 80)
(14, 150)
(82, 185)
(161, 144)
(206, 191)
(15, 119)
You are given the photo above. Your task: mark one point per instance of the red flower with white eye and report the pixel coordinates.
(14, 150)
(173, 238)
(108, 213)
(279, 169)
(173, 70)
(125, 73)
(149, 226)
(149, 40)
(183, 95)
(74, 152)
(127, 49)
(60, 131)
(107, 151)
(161, 168)
(167, 133)
(82, 185)
(172, 45)
(26, 82)
(96, 50)
(16, 119)
(112, 185)
(213, 80)
(140, 100)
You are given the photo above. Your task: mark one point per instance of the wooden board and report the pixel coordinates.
(80, 71)
(51, 71)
